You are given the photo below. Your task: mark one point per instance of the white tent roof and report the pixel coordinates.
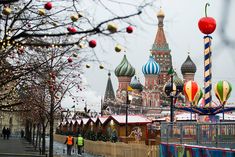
(103, 119)
(131, 119)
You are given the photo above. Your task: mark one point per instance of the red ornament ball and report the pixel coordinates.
(129, 29)
(92, 43)
(48, 6)
(207, 25)
(70, 60)
(72, 29)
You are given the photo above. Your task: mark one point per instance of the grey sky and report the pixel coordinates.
(183, 35)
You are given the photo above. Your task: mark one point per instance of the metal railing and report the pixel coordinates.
(203, 134)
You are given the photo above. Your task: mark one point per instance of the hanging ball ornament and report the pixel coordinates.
(129, 29)
(206, 24)
(112, 27)
(118, 48)
(70, 60)
(6, 11)
(92, 43)
(48, 6)
(71, 29)
(41, 12)
(74, 18)
(101, 67)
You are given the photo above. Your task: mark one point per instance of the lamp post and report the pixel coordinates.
(128, 100)
(172, 90)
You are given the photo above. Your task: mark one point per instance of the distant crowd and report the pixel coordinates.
(6, 133)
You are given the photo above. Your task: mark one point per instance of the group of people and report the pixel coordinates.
(6, 133)
(70, 142)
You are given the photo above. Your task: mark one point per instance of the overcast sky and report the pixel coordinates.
(182, 34)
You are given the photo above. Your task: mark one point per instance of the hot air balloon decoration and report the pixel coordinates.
(191, 89)
(197, 98)
(222, 91)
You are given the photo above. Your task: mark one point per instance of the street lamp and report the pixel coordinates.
(172, 90)
(128, 101)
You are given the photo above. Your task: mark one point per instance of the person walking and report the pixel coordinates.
(4, 132)
(70, 142)
(8, 133)
(80, 144)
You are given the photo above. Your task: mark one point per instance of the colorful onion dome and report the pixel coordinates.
(177, 81)
(151, 67)
(135, 84)
(124, 68)
(188, 66)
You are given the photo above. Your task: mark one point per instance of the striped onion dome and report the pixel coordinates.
(124, 68)
(151, 67)
(135, 84)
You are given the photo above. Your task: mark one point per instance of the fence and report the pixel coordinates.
(118, 149)
(204, 134)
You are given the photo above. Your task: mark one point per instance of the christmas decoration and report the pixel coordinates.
(92, 43)
(191, 88)
(70, 60)
(206, 24)
(41, 12)
(101, 67)
(222, 91)
(72, 29)
(112, 27)
(48, 6)
(6, 11)
(129, 29)
(74, 18)
(118, 48)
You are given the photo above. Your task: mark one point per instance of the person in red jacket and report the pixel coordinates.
(70, 142)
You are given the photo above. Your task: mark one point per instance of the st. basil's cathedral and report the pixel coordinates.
(148, 99)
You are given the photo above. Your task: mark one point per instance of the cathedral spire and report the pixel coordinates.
(160, 43)
(109, 92)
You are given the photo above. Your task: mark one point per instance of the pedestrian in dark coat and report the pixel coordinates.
(4, 132)
(8, 133)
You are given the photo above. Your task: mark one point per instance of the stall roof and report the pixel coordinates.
(103, 119)
(132, 119)
(85, 120)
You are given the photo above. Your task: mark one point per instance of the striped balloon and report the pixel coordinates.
(191, 88)
(198, 97)
(222, 91)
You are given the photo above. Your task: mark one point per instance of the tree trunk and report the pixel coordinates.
(36, 143)
(51, 120)
(43, 139)
(33, 141)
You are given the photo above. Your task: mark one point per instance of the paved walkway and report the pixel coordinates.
(16, 145)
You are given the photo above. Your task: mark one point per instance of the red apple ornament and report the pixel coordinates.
(48, 6)
(206, 24)
(129, 29)
(92, 43)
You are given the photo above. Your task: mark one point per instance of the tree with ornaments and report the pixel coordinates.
(41, 50)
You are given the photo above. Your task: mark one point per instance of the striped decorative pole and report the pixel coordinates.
(207, 26)
(207, 71)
